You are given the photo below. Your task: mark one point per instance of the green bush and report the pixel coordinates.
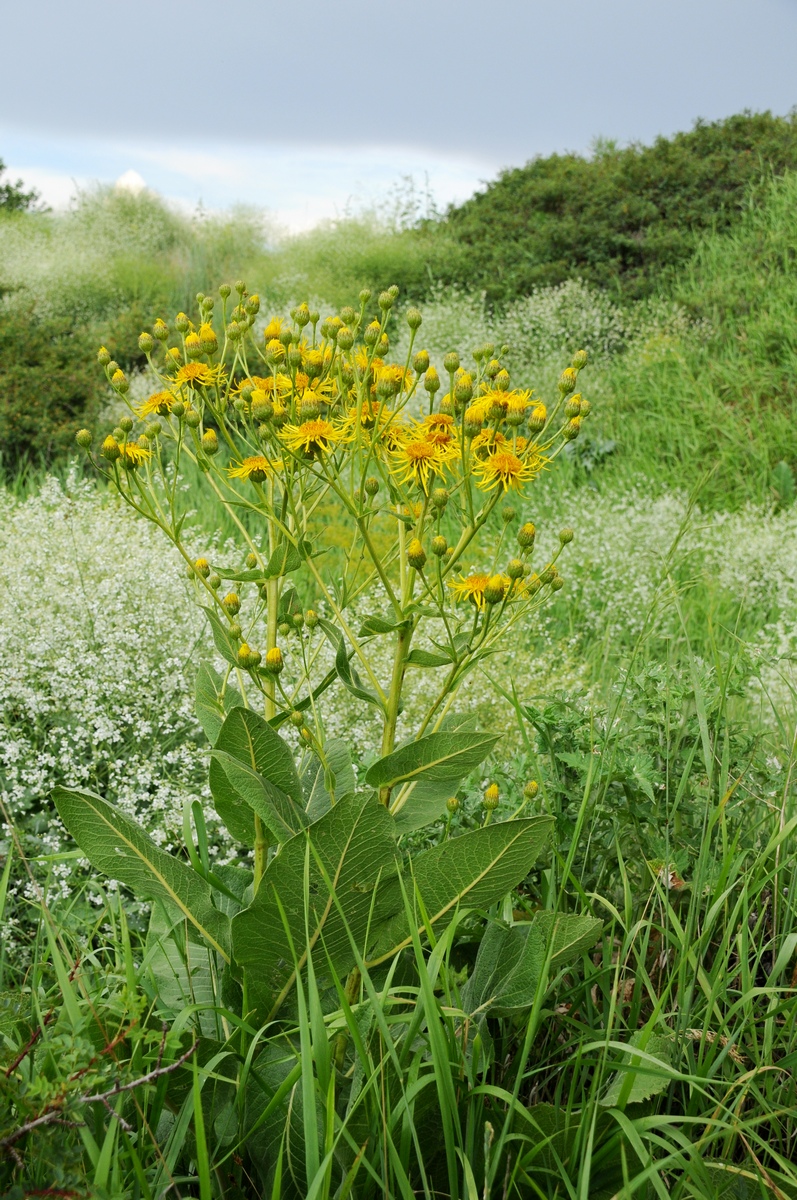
(48, 385)
(621, 217)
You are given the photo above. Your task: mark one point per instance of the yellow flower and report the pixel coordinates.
(472, 587)
(273, 330)
(487, 441)
(194, 373)
(318, 436)
(133, 455)
(417, 459)
(438, 428)
(256, 382)
(160, 403)
(505, 468)
(257, 468)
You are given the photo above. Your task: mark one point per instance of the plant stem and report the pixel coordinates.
(394, 698)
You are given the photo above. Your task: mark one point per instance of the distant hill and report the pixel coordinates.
(619, 218)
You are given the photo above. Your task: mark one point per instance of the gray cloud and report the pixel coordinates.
(503, 80)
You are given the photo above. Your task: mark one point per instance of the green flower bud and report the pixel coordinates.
(298, 620)
(214, 581)
(572, 429)
(297, 718)
(240, 287)
(234, 629)
(452, 804)
(586, 408)
(393, 291)
(440, 497)
(573, 406)
(284, 628)
(420, 362)
(252, 306)
(347, 315)
(508, 514)
(103, 357)
(579, 359)
(495, 589)
(492, 369)
(262, 409)
(526, 535)
(83, 438)
(178, 408)
(182, 323)
(225, 290)
(371, 485)
(145, 343)
(232, 604)
(431, 381)
(531, 789)
(557, 583)
(567, 381)
(385, 301)
(160, 330)
(311, 618)
(439, 546)
(565, 536)
(120, 381)
(414, 318)
(515, 569)
(365, 296)
(345, 338)
(251, 561)
(153, 430)
(371, 333)
(193, 419)
(126, 424)
(210, 441)
(451, 362)
(202, 567)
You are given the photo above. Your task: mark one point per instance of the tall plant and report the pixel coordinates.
(281, 419)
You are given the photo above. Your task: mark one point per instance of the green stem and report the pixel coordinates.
(394, 698)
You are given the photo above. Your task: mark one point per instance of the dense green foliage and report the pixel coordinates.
(620, 217)
(13, 197)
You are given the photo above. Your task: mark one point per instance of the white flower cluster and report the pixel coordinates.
(98, 637)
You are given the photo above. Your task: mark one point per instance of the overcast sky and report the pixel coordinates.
(303, 108)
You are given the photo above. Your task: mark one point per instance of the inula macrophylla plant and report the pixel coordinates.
(283, 419)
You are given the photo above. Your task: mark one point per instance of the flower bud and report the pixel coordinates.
(526, 535)
(452, 804)
(492, 369)
(385, 301)
(315, 316)
(567, 381)
(83, 438)
(234, 629)
(120, 382)
(262, 408)
(508, 514)
(232, 604)
(251, 561)
(565, 536)
(118, 433)
(439, 546)
(202, 567)
(420, 362)
(496, 410)
(309, 408)
(416, 555)
(126, 424)
(192, 419)
(235, 332)
(252, 306)
(103, 357)
(572, 429)
(364, 296)
(347, 315)
(145, 343)
(491, 797)
(531, 789)
(294, 358)
(112, 367)
(143, 442)
(515, 569)
(240, 287)
(182, 323)
(473, 422)
(371, 333)
(274, 663)
(501, 380)
(298, 620)
(547, 575)
(210, 442)
(451, 362)
(306, 736)
(580, 359)
(557, 583)
(284, 628)
(440, 498)
(110, 448)
(586, 408)
(193, 346)
(463, 388)
(573, 406)
(383, 345)
(297, 718)
(249, 658)
(494, 589)
(160, 330)
(446, 406)
(178, 408)
(393, 291)
(153, 430)
(431, 381)
(208, 339)
(225, 290)
(371, 485)
(537, 418)
(414, 318)
(345, 338)
(311, 618)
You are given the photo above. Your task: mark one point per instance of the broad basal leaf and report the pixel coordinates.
(354, 846)
(122, 850)
(471, 871)
(511, 960)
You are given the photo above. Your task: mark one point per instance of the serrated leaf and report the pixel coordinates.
(221, 638)
(649, 1078)
(424, 658)
(471, 871)
(438, 757)
(355, 844)
(213, 700)
(122, 850)
(284, 559)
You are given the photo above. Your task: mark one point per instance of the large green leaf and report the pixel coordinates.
(354, 846)
(214, 700)
(225, 645)
(438, 757)
(647, 1078)
(317, 779)
(284, 559)
(348, 674)
(122, 850)
(471, 871)
(252, 771)
(511, 960)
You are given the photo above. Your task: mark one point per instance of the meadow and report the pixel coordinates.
(612, 1014)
